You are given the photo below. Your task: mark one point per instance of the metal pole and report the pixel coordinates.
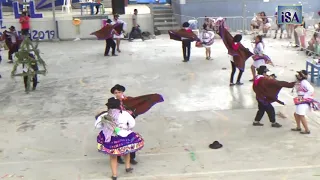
(55, 38)
(244, 16)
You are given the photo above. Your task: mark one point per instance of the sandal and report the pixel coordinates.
(305, 132)
(129, 170)
(296, 129)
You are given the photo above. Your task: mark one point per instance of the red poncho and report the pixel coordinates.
(239, 52)
(182, 33)
(106, 31)
(267, 89)
(141, 104)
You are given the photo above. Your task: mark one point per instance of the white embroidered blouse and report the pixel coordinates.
(305, 89)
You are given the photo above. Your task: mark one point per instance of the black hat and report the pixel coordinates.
(185, 24)
(262, 69)
(113, 103)
(109, 21)
(117, 87)
(237, 38)
(215, 145)
(303, 74)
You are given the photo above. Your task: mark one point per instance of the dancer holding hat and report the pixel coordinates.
(267, 89)
(304, 101)
(116, 137)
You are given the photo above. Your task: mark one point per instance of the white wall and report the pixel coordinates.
(67, 30)
(44, 26)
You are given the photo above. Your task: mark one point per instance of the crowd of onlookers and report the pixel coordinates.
(263, 24)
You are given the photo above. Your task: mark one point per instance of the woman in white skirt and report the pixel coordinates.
(207, 38)
(259, 58)
(303, 101)
(120, 36)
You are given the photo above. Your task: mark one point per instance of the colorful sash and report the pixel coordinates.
(264, 57)
(315, 105)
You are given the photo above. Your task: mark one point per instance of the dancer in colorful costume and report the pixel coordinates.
(238, 52)
(186, 36)
(134, 106)
(304, 101)
(267, 89)
(12, 41)
(235, 46)
(259, 58)
(116, 137)
(106, 33)
(207, 39)
(119, 35)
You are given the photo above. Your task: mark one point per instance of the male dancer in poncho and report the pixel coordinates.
(236, 39)
(186, 36)
(238, 52)
(106, 33)
(267, 90)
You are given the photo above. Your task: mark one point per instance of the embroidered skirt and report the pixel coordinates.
(121, 36)
(118, 145)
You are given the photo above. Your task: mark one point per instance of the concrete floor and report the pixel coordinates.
(49, 134)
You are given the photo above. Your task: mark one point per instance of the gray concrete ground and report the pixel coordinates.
(49, 134)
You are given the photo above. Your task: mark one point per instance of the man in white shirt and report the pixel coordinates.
(14, 46)
(135, 26)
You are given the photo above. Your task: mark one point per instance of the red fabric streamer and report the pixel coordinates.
(185, 33)
(106, 31)
(141, 104)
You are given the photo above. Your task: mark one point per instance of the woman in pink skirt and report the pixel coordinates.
(116, 137)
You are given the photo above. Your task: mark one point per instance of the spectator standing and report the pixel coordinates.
(279, 26)
(25, 24)
(135, 26)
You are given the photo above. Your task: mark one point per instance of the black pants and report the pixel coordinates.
(234, 68)
(97, 8)
(110, 44)
(14, 48)
(135, 30)
(262, 108)
(186, 49)
(132, 156)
